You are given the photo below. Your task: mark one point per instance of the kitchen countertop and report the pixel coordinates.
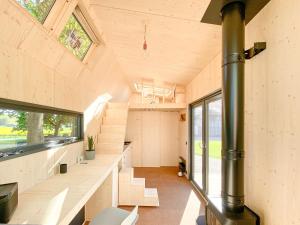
(58, 199)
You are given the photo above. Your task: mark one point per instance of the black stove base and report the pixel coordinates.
(215, 215)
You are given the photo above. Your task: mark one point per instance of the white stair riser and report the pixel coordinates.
(126, 174)
(117, 105)
(137, 193)
(119, 118)
(109, 148)
(132, 190)
(114, 121)
(124, 191)
(112, 139)
(108, 151)
(150, 201)
(138, 181)
(133, 186)
(151, 197)
(113, 129)
(106, 147)
(116, 113)
(110, 135)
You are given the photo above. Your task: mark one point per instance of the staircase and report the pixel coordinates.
(111, 138)
(113, 128)
(132, 191)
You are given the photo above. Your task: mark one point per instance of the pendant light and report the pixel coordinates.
(145, 46)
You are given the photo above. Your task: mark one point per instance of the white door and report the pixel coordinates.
(169, 125)
(150, 139)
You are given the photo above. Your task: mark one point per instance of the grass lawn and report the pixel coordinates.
(214, 149)
(10, 136)
(12, 139)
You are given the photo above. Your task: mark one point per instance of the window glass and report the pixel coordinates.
(75, 38)
(20, 129)
(206, 148)
(197, 137)
(214, 147)
(39, 9)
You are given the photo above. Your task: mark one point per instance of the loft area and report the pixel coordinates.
(149, 113)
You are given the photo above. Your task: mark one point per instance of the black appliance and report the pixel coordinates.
(8, 201)
(63, 168)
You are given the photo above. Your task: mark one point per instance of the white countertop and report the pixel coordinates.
(58, 199)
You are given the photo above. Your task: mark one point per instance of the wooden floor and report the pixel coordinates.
(179, 203)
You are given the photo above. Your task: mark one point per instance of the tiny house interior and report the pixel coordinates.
(149, 112)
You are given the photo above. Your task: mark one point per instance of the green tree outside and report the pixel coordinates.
(33, 127)
(39, 9)
(72, 32)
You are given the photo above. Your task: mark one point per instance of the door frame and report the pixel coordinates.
(202, 101)
(191, 146)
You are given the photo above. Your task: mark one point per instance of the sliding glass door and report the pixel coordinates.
(197, 144)
(206, 128)
(214, 136)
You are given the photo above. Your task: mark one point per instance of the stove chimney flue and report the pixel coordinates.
(233, 60)
(233, 15)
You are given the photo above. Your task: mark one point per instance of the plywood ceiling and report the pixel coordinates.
(179, 46)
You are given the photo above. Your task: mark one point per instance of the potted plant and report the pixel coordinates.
(90, 153)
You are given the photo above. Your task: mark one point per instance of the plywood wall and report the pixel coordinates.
(272, 109)
(183, 136)
(208, 81)
(32, 169)
(36, 68)
(155, 138)
(272, 114)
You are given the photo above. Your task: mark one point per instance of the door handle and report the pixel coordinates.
(203, 147)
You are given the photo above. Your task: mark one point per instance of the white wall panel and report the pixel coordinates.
(151, 137)
(32, 169)
(169, 131)
(134, 134)
(154, 136)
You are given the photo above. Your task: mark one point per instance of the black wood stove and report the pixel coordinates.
(233, 15)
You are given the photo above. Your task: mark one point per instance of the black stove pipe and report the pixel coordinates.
(233, 60)
(233, 15)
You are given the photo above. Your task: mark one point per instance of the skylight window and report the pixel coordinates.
(39, 9)
(75, 38)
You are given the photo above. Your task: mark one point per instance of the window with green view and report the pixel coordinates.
(25, 128)
(39, 9)
(75, 38)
